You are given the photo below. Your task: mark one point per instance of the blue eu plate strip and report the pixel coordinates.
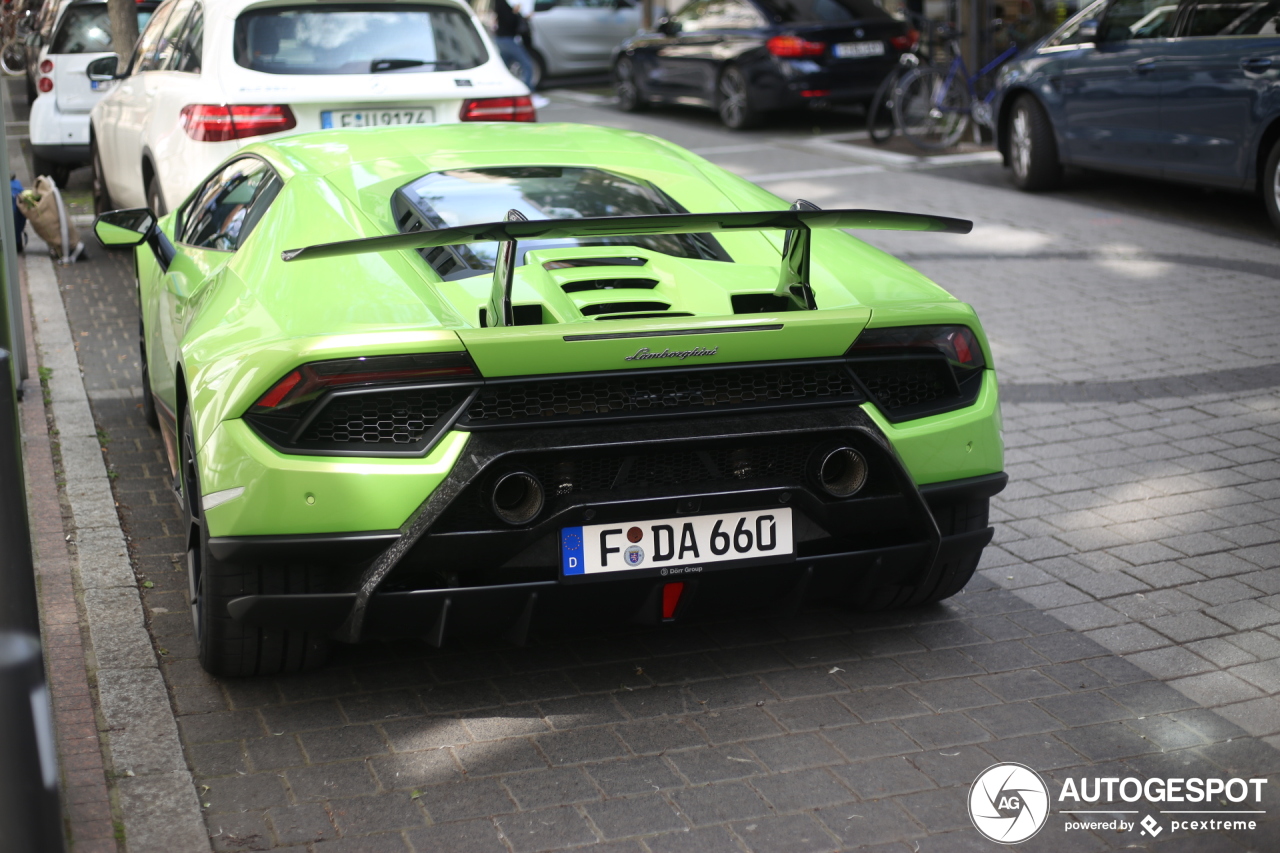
(571, 550)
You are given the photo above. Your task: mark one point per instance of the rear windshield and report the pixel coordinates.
(825, 11)
(357, 39)
(471, 196)
(87, 29)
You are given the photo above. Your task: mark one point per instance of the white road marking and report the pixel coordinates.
(771, 177)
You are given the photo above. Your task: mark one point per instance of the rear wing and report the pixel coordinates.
(793, 281)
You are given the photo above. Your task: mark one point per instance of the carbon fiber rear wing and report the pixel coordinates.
(793, 281)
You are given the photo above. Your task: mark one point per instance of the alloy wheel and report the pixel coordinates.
(625, 85)
(191, 503)
(733, 97)
(1021, 142)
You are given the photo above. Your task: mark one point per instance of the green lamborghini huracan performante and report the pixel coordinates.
(468, 379)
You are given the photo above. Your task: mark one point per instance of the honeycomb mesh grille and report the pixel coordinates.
(391, 417)
(905, 384)
(663, 392)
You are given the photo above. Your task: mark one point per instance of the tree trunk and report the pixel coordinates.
(124, 27)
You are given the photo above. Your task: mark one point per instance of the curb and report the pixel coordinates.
(157, 797)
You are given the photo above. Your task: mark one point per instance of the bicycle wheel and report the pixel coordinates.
(13, 59)
(880, 111)
(929, 111)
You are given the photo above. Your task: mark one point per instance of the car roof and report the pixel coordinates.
(232, 8)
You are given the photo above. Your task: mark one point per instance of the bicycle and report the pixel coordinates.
(880, 124)
(14, 26)
(932, 111)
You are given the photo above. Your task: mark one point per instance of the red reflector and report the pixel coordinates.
(498, 109)
(905, 42)
(815, 93)
(220, 123)
(671, 599)
(46, 67)
(794, 47)
(272, 398)
(45, 84)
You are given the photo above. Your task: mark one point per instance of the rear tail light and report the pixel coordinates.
(220, 123)
(46, 67)
(45, 84)
(794, 47)
(311, 380)
(498, 109)
(905, 42)
(957, 343)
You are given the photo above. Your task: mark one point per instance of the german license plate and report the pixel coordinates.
(383, 117)
(676, 545)
(858, 49)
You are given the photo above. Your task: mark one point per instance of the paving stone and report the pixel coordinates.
(785, 834)
(515, 754)
(952, 766)
(1022, 684)
(326, 781)
(937, 811)
(1170, 662)
(954, 694)
(719, 803)
(619, 818)
(943, 730)
(1065, 647)
(808, 714)
(1106, 742)
(870, 740)
(1131, 637)
(633, 776)
(1245, 615)
(872, 780)
(715, 764)
(465, 799)
(802, 789)
(736, 724)
(794, 752)
(1014, 720)
(886, 704)
(652, 735)
(388, 812)
(869, 823)
(301, 824)
(554, 787)
(711, 839)
(549, 829)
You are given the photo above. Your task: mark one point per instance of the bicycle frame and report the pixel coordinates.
(957, 66)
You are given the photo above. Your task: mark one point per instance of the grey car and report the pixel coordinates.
(574, 36)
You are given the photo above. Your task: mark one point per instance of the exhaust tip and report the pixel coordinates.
(842, 472)
(518, 497)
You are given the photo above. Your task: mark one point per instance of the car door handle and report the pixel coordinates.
(1255, 64)
(1145, 66)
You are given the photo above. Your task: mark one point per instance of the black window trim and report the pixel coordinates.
(180, 222)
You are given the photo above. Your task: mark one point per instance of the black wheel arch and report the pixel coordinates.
(1266, 142)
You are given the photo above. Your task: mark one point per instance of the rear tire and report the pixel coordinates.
(631, 98)
(930, 112)
(101, 196)
(538, 71)
(961, 517)
(148, 399)
(226, 647)
(1271, 184)
(880, 111)
(155, 198)
(734, 106)
(1033, 151)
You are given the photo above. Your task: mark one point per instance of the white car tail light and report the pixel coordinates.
(498, 109)
(219, 122)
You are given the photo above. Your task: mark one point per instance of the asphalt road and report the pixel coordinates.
(1125, 623)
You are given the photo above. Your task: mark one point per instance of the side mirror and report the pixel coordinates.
(103, 69)
(1088, 30)
(668, 27)
(124, 227)
(543, 5)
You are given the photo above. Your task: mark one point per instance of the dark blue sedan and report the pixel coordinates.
(1187, 91)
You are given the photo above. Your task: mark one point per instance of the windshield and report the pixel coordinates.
(825, 11)
(467, 197)
(87, 29)
(357, 39)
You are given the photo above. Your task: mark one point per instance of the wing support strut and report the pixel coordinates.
(793, 283)
(500, 312)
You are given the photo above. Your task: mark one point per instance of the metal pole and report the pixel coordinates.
(12, 336)
(30, 815)
(18, 608)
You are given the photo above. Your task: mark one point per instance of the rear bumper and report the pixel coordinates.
(62, 137)
(788, 84)
(449, 566)
(71, 154)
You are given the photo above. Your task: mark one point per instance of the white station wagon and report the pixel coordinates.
(207, 78)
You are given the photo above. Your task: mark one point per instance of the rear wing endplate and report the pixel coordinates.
(793, 281)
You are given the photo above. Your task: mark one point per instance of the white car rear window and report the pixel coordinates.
(87, 29)
(357, 38)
